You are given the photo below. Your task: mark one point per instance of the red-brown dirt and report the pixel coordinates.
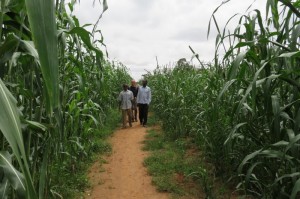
(124, 176)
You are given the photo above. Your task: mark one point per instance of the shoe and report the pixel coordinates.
(144, 125)
(130, 125)
(124, 127)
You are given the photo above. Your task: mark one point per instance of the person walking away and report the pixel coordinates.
(134, 89)
(125, 98)
(143, 100)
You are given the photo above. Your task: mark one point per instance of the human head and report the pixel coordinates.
(144, 83)
(125, 87)
(133, 83)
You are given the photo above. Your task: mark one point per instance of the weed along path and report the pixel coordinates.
(123, 176)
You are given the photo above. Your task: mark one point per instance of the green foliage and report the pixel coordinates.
(180, 89)
(57, 93)
(10, 126)
(41, 16)
(243, 110)
(70, 174)
(187, 106)
(265, 98)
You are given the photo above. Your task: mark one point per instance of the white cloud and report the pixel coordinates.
(136, 31)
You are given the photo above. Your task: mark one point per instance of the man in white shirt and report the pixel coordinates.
(143, 100)
(125, 98)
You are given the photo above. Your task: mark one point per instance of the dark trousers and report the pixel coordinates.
(143, 113)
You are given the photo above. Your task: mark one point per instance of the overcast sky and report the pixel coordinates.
(136, 31)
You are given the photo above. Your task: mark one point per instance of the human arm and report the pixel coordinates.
(138, 97)
(131, 97)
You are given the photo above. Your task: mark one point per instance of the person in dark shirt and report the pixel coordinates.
(134, 89)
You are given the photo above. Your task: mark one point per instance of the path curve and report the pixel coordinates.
(124, 176)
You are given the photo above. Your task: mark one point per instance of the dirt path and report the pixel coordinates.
(124, 176)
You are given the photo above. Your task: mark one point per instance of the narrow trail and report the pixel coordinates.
(124, 176)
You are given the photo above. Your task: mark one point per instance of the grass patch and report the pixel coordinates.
(69, 182)
(179, 168)
(152, 142)
(168, 165)
(152, 119)
(162, 166)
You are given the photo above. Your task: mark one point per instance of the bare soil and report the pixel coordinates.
(124, 176)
